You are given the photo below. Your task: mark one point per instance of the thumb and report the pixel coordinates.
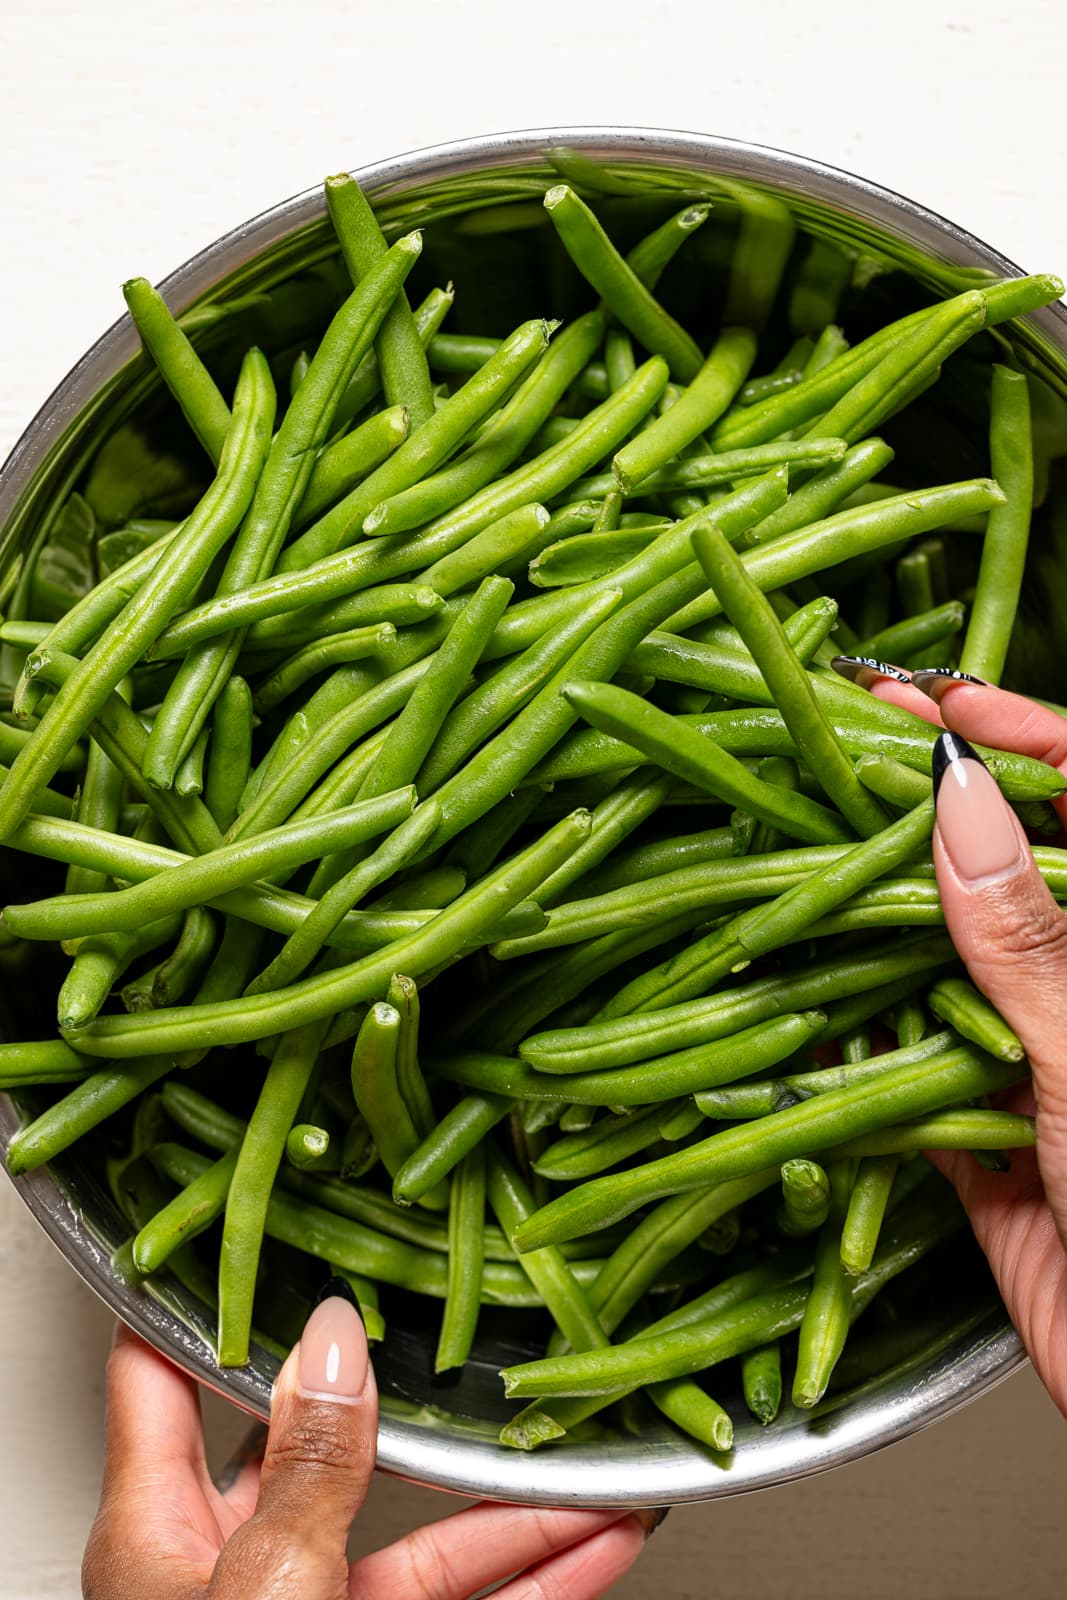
(1010, 932)
(317, 1464)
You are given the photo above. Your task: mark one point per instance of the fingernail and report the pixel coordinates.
(339, 1287)
(650, 1518)
(866, 671)
(935, 680)
(333, 1353)
(974, 821)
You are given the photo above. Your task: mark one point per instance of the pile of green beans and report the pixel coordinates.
(380, 936)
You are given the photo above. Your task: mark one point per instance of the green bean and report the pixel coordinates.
(659, 1238)
(345, 463)
(676, 748)
(99, 962)
(958, 1002)
(192, 1210)
(548, 1270)
(805, 1198)
(623, 292)
(192, 881)
(811, 398)
(727, 466)
(184, 967)
(690, 1408)
(537, 1423)
(358, 1248)
(722, 670)
(891, 780)
(405, 374)
(745, 1051)
(180, 367)
(705, 400)
(760, 1099)
(286, 786)
(915, 633)
(278, 491)
(96, 1097)
(378, 1098)
(27, 1062)
(99, 805)
(824, 1327)
(866, 1210)
(585, 558)
(753, 616)
(914, 583)
(947, 1130)
(466, 1218)
(618, 1041)
(459, 1131)
(278, 596)
(653, 254)
(308, 1148)
(645, 861)
(504, 543)
(608, 1142)
(321, 923)
(481, 713)
(764, 928)
(664, 1351)
(189, 778)
(435, 694)
(761, 1381)
(818, 1123)
(426, 448)
(253, 1178)
(989, 629)
(87, 688)
(230, 752)
(503, 439)
(366, 380)
(433, 887)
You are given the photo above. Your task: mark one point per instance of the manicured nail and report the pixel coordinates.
(866, 671)
(935, 680)
(650, 1518)
(341, 1288)
(974, 821)
(333, 1353)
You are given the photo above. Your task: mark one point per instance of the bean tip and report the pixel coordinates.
(554, 196)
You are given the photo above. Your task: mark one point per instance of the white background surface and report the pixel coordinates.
(131, 134)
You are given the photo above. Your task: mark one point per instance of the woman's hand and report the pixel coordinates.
(1013, 937)
(278, 1531)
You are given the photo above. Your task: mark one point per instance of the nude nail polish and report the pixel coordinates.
(866, 670)
(333, 1357)
(975, 823)
(935, 680)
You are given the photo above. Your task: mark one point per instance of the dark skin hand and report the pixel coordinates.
(1013, 937)
(278, 1530)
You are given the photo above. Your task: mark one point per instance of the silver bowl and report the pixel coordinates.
(439, 1432)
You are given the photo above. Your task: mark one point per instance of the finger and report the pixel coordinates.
(586, 1570)
(984, 714)
(153, 1417)
(317, 1465)
(1010, 932)
(887, 682)
(465, 1553)
(238, 1482)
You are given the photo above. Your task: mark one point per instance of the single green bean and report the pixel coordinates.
(184, 967)
(761, 1381)
(824, 1327)
(230, 756)
(404, 370)
(958, 1003)
(348, 460)
(866, 1211)
(626, 296)
(180, 367)
(308, 1148)
(192, 1210)
(40, 1061)
(1000, 574)
(466, 1219)
(805, 1197)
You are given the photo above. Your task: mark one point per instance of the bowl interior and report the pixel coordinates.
(852, 252)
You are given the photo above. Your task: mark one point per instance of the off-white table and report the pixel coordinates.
(131, 134)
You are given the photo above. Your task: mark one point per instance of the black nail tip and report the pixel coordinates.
(866, 670)
(949, 747)
(933, 681)
(340, 1289)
